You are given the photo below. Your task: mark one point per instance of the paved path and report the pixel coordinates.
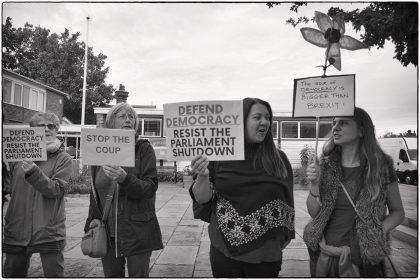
(186, 252)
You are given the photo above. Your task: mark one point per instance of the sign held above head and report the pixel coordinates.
(324, 96)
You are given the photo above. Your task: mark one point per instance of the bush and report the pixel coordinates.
(305, 154)
(79, 183)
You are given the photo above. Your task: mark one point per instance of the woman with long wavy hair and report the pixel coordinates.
(352, 189)
(248, 203)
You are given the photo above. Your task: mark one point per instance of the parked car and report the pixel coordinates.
(403, 151)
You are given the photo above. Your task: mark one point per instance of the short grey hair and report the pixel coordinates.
(112, 113)
(45, 116)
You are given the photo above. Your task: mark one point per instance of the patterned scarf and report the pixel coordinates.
(252, 206)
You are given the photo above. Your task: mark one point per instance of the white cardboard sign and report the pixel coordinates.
(211, 128)
(104, 146)
(26, 143)
(324, 96)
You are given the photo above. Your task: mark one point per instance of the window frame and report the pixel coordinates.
(141, 126)
(299, 122)
(32, 91)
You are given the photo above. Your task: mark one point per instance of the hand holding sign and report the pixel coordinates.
(199, 165)
(28, 165)
(115, 173)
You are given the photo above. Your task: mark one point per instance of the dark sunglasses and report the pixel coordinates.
(50, 126)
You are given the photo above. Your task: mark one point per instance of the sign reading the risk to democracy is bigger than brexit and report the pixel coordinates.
(103, 146)
(26, 143)
(210, 128)
(324, 96)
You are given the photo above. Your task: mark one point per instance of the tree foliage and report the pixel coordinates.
(377, 23)
(57, 61)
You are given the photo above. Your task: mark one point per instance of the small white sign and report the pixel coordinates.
(27, 143)
(211, 128)
(324, 96)
(104, 146)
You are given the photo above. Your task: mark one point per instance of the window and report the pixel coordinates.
(150, 127)
(289, 130)
(25, 98)
(325, 130)
(307, 130)
(40, 101)
(17, 99)
(7, 91)
(274, 129)
(22, 95)
(33, 99)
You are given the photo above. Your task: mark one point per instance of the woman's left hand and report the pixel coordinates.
(28, 165)
(115, 173)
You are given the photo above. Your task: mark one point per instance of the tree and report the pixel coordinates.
(57, 61)
(381, 21)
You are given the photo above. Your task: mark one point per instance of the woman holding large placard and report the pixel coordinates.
(35, 217)
(351, 191)
(248, 203)
(132, 225)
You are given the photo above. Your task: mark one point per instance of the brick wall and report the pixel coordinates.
(17, 114)
(55, 103)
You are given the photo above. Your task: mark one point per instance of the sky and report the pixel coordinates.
(173, 52)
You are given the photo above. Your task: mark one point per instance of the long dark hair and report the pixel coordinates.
(267, 151)
(369, 150)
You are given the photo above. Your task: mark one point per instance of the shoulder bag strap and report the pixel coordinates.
(370, 230)
(108, 201)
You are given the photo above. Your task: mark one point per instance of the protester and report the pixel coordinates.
(132, 224)
(249, 203)
(341, 244)
(35, 217)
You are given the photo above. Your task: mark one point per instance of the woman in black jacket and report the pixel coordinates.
(132, 223)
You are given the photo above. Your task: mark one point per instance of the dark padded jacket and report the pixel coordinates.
(137, 227)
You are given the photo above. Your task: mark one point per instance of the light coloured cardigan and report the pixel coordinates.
(373, 249)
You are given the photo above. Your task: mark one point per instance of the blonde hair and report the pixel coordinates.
(369, 150)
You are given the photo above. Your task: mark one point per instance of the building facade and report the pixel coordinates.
(23, 97)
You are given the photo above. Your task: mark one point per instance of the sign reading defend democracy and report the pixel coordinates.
(104, 146)
(211, 128)
(26, 143)
(323, 97)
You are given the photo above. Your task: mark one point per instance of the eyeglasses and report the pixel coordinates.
(124, 116)
(50, 126)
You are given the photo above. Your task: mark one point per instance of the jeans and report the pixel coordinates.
(224, 267)
(17, 264)
(138, 265)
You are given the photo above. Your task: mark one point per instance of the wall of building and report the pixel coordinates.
(54, 103)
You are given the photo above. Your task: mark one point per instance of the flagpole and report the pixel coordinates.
(82, 121)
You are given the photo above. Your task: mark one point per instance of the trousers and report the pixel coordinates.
(17, 264)
(137, 265)
(224, 267)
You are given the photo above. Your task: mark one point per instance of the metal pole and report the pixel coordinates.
(85, 73)
(82, 121)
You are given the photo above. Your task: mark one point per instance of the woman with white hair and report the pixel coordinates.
(131, 224)
(35, 218)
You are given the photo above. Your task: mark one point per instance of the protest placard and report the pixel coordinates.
(324, 96)
(26, 143)
(211, 128)
(104, 146)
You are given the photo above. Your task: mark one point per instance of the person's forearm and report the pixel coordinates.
(313, 200)
(201, 189)
(394, 219)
